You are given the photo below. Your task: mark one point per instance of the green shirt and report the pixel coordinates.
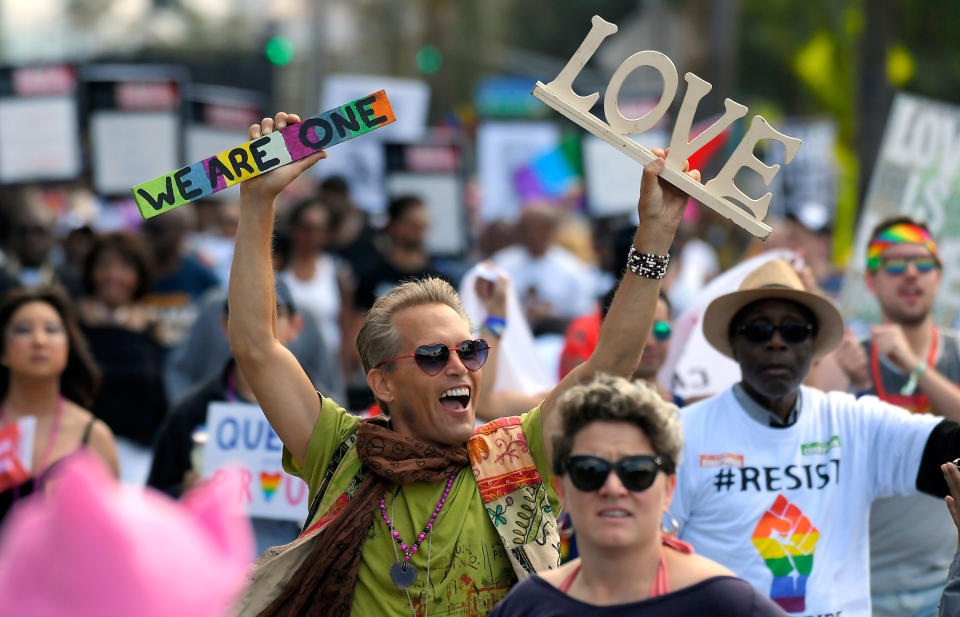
(469, 569)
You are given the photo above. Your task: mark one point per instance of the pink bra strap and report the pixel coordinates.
(661, 582)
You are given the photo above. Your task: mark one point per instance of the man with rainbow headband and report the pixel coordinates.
(911, 363)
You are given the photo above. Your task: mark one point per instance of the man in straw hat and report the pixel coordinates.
(425, 514)
(777, 478)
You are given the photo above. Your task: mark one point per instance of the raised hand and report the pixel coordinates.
(267, 186)
(493, 294)
(853, 360)
(661, 204)
(891, 342)
(952, 476)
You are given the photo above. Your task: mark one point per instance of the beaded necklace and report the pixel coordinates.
(402, 572)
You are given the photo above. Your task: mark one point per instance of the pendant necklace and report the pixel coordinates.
(402, 572)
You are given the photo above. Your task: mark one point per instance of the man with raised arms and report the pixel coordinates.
(402, 524)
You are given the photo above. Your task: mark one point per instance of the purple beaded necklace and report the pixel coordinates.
(403, 573)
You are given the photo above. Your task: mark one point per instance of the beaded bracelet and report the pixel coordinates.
(647, 265)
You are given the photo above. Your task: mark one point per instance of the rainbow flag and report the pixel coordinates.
(553, 176)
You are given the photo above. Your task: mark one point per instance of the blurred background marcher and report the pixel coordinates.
(31, 259)
(312, 273)
(121, 330)
(910, 362)
(173, 468)
(180, 279)
(47, 373)
(213, 245)
(554, 285)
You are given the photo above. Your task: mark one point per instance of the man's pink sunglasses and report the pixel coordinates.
(433, 358)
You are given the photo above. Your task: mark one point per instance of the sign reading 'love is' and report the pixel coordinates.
(719, 192)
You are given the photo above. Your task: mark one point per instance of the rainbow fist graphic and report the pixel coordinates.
(785, 539)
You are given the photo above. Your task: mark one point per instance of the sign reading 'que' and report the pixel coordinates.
(716, 193)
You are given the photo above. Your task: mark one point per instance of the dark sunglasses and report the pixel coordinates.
(761, 332)
(661, 330)
(636, 473)
(898, 265)
(432, 358)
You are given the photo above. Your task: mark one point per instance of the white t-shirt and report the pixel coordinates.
(557, 277)
(320, 296)
(787, 509)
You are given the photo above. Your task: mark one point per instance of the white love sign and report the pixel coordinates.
(716, 193)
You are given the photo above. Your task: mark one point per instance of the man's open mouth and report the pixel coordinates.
(455, 399)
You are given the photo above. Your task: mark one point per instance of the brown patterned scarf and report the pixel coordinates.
(324, 584)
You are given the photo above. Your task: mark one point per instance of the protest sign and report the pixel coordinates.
(31, 150)
(409, 98)
(917, 174)
(16, 452)
(239, 437)
(503, 148)
(217, 118)
(255, 157)
(132, 116)
(720, 193)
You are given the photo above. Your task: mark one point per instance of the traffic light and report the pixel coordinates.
(429, 59)
(279, 50)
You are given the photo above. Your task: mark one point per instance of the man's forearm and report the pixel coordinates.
(253, 311)
(627, 325)
(942, 394)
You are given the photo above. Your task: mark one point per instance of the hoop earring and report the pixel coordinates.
(675, 526)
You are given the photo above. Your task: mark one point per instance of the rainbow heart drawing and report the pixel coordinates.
(269, 482)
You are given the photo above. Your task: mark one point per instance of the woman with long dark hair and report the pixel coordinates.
(46, 372)
(122, 335)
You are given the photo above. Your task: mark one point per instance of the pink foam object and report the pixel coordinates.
(90, 547)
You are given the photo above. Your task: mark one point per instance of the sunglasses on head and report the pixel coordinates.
(661, 330)
(589, 473)
(433, 358)
(898, 265)
(761, 332)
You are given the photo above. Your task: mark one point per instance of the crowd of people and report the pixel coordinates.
(573, 481)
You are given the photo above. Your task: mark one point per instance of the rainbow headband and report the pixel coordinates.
(901, 233)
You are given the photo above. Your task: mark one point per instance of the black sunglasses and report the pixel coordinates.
(636, 473)
(433, 358)
(761, 332)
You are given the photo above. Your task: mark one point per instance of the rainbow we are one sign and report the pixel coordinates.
(786, 540)
(261, 155)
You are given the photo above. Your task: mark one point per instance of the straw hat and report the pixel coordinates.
(775, 279)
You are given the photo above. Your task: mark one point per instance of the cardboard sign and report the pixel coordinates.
(255, 157)
(16, 452)
(239, 437)
(716, 193)
(916, 174)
